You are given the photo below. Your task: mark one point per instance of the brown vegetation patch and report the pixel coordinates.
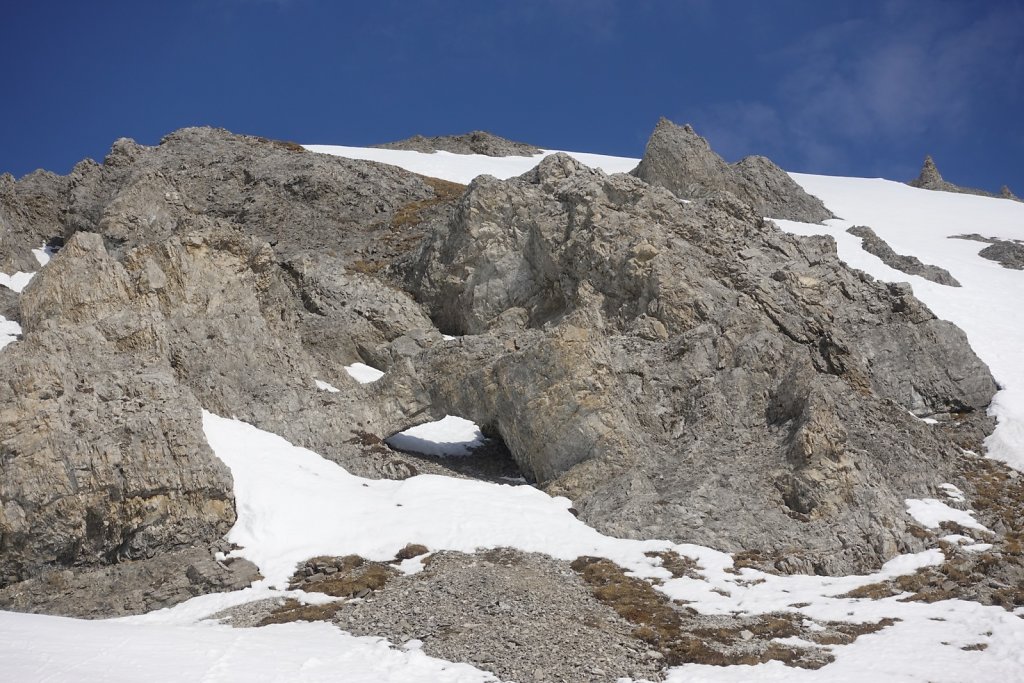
(293, 610)
(844, 634)
(410, 551)
(412, 213)
(677, 565)
(343, 577)
(283, 144)
(872, 591)
(674, 634)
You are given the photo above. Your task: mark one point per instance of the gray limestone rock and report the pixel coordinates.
(688, 370)
(911, 265)
(1006, 253)
(680, 160)
(475, 142)
(104, 456)
(130, 587)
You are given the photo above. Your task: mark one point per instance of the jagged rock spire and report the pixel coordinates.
(929, 177)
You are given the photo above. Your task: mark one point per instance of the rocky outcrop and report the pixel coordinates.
(104, 455)
(31, 213)
(1007, 253)
(683, 162)
(688, 370)
(476, 142)
(931, 179)
(168, 299)
(911, 265)
(131, 587)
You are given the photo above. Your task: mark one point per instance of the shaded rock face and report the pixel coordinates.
(911, 265)
(683, 162)
(931, 179)
(131, 587)
(688, 370)
(476, 142)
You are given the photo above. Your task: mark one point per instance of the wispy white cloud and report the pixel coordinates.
(909, 69)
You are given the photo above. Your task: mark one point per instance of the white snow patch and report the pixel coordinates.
(60, 650)
(450, 436)
(954, 493)
(926, 420)
(9, 331)
(462, 168)
(43, 255)
(326, 386)
(931, 513)
(364, 374)
(16, 282)
(978, 547)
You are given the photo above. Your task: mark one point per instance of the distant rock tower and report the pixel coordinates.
(930, 178)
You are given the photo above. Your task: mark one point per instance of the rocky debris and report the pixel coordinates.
(680, 160)
(475, 142)
(130, 587)
(1007, 253)
(528, 617)
(524, 617)
(911, 265)
(344, 577)
(931, 179)
(688, 371)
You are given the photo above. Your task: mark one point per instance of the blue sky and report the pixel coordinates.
(862, 88)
